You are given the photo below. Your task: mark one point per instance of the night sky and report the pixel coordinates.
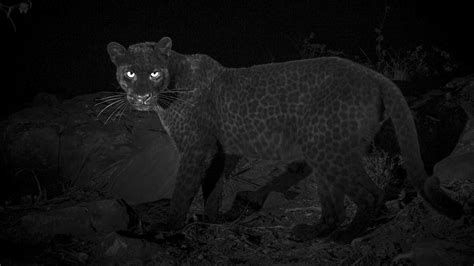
(60, 46)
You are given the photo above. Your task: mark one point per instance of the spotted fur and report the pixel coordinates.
(322, 111)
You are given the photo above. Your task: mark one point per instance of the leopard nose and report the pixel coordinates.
(139, 99)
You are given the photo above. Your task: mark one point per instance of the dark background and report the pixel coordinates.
(60, 46)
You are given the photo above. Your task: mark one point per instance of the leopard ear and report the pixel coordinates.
(116, 52)
(164, 45)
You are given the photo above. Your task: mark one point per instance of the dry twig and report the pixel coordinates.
(22, 7)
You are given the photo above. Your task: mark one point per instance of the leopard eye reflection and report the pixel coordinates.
(130, 74)
(155, 75)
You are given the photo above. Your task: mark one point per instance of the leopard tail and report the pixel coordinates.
(429, 188)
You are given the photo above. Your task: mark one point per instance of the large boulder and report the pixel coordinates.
(67, 143)
(459, 165)
(86, 219)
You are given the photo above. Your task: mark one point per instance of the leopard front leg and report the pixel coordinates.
(194, 161)
(212, 186)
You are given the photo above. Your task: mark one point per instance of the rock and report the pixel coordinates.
(460, 164)
(464, 93)
(68, 221)
(439, 123)
(459, 167)
(440, 252)
(46, 99)
(148, 175)
(274, 200)
(130, 158)
(116, 248)
(108, 215)
(83, 220)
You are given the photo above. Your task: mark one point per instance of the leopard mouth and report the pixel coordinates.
(143, 107)
(144, 102)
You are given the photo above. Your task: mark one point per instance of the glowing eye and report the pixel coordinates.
(155, 74)
(130, 74)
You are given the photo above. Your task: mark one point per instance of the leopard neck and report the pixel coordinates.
(191, 77)
(187, 71)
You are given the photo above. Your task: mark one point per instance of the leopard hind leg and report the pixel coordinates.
(360, 188)
(339, 175)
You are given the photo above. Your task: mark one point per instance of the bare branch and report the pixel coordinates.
(22, 7)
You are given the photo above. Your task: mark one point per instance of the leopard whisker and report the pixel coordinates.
(106, 112)
(171, 98)
(115, 110)
(183, 103)
(121, 113)
(114, 92)
(110, 97)
(109, 105)
(108, 101)
(179, 91)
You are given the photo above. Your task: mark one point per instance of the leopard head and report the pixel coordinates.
(142, 71)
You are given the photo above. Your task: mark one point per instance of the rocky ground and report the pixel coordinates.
(82, 228)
